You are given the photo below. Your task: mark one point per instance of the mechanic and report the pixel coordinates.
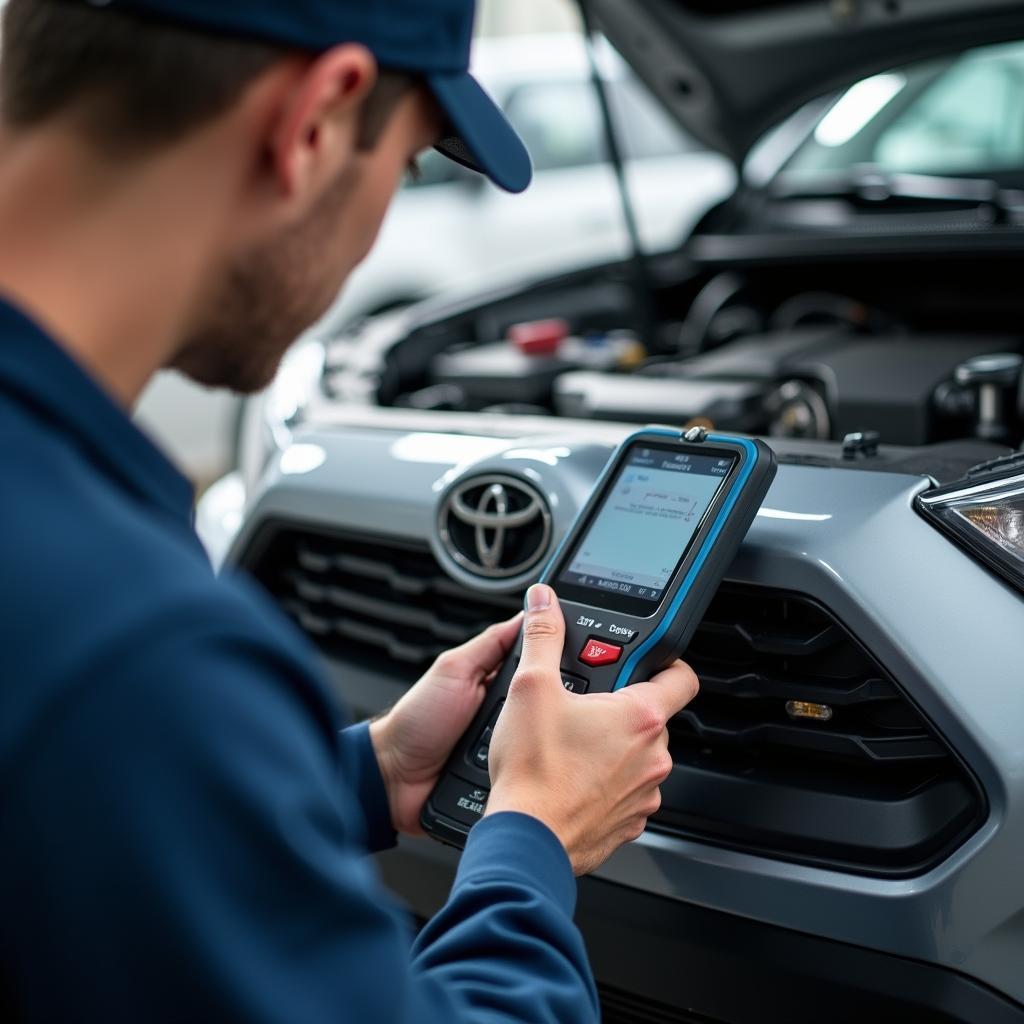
(185, 822)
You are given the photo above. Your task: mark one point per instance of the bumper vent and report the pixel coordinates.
(871, 790)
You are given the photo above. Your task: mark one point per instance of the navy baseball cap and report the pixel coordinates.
(430, 38)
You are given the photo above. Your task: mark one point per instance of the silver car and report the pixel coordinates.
(842, 836)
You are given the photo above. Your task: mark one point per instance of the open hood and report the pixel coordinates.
(729, 70)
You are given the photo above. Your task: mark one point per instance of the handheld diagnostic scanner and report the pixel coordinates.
(634, 576)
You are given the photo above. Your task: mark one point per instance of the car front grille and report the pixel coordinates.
(385, 604)
(871, 790)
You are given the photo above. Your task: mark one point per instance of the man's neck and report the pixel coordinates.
(110, 263)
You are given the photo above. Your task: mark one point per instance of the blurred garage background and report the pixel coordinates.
(451, 231)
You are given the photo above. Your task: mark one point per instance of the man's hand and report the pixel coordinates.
(588, 766)
(414, 740)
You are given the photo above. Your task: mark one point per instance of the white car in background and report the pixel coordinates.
(452, 230)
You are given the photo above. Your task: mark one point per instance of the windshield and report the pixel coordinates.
(960, 116)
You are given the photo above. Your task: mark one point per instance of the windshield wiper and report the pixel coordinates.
(870, 187)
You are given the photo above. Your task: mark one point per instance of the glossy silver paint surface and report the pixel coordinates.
(948, 630)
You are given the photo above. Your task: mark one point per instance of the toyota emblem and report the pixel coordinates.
(496, 527)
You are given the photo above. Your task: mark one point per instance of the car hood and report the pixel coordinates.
(729, 70)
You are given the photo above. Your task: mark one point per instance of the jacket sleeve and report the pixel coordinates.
(362, 772)
(189, 848)
(504, 945)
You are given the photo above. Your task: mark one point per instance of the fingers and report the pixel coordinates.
(667, 693)
(479, 657)
(543, 635)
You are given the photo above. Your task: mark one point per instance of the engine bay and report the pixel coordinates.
(892, 352)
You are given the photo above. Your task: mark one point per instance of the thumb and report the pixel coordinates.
(543, 635)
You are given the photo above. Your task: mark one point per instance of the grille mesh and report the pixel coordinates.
(392, 600)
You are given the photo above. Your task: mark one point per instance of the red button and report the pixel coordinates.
(597, 652)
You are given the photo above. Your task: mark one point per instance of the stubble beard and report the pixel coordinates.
(265, 300)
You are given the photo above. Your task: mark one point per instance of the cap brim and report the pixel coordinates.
(477, 133)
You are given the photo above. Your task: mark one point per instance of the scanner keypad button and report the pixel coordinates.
(574, 684)
(477, 753)
(599, 652)
(483, 749)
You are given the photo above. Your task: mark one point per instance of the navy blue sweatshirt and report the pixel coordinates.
(184, 819)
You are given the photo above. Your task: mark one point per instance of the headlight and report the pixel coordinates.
(986, 515)
(296, 382)
(270, 418)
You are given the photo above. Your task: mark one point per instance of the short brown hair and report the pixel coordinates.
(137, 82)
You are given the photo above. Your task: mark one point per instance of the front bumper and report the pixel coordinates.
(945, 628)
(663, 960)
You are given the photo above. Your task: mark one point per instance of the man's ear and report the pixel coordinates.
(318, 125)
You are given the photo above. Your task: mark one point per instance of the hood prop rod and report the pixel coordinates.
(644, 297)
